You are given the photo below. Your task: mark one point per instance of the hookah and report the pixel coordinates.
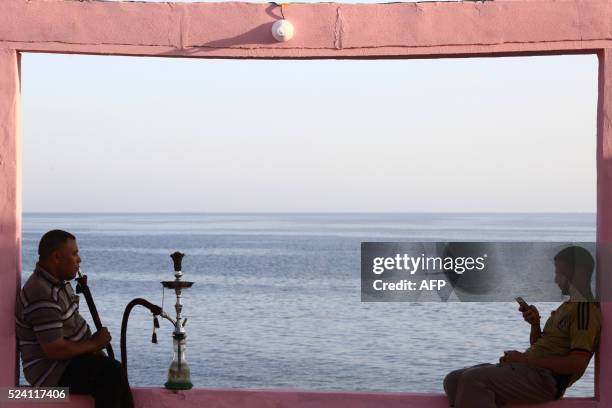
(178, 373)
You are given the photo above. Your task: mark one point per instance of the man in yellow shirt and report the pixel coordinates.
(558, 355)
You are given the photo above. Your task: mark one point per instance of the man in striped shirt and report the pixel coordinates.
(55, 342)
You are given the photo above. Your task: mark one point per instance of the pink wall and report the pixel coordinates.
(604, 223)
(10, 208)
(242, 30)
(218, 398)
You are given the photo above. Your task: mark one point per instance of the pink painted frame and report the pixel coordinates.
(324, 30)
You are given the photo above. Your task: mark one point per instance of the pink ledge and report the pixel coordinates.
(232, 398)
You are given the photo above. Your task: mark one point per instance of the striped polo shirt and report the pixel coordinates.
(46, 309)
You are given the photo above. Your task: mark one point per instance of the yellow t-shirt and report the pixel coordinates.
(573, 328)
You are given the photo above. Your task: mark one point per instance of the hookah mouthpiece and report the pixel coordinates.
(81, 281)
(177, 258)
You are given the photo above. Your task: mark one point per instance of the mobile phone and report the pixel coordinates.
(522, 302)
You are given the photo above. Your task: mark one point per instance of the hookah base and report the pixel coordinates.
(178, 385)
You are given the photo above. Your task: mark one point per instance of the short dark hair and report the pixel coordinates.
(576, 257)
(51, 241)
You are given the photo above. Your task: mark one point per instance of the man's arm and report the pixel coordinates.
(535, 333)
(570, 364)
(532, 316)
(574, 363)
(62, 349)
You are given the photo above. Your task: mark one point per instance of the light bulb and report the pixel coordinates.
(282, 30)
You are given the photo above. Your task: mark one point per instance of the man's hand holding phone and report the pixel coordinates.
(530, 312)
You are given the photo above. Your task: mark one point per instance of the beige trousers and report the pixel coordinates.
(492, 385)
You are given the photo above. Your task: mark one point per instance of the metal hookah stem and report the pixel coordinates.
(179, 308)
(177, 329)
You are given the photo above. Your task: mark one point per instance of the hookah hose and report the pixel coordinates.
(84, 289)
(156, 310)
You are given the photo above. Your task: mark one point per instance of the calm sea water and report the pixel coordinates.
(276, 299)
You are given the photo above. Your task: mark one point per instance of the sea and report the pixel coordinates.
(276, 300)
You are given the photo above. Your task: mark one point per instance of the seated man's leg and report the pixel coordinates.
(492, 385)
(451, 382)
(99, 376)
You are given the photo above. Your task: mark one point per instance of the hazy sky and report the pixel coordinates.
(153, 134)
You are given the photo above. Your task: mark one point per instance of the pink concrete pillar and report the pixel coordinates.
(603, 378)
(10, 208)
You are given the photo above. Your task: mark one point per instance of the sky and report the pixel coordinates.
(130, 134)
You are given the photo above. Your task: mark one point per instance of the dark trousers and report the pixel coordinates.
(99, 376)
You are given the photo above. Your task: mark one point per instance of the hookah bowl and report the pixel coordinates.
(178, 374)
